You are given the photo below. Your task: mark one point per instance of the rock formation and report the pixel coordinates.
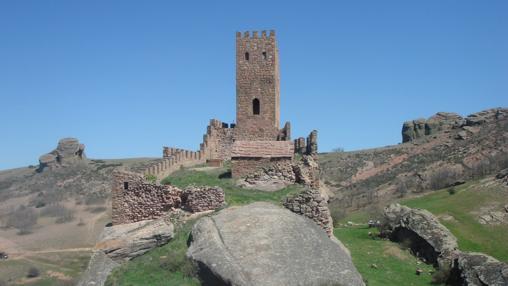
(428, 238)
(120, 243)
(432, 241)
(478, 269)
(68, 152)
(418, 128)
(262, 244)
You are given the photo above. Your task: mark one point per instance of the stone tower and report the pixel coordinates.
(257, 86)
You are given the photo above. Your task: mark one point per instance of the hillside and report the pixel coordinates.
(50, 220)
(451, 153)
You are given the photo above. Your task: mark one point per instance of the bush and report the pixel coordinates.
(452, 191)
(23, 218)
(61, 213)
(33, 272)
(151, 178)
(337, 214)
(443, 178)
(338, 150)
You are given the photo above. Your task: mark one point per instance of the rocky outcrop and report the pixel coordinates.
(312, 204)
(477, 269)
(98, 270)
(262, 244)
(121, 243)
(418, 128)
(68, 152)
(426, 237)
(199, 199)
(126, 241)
(486, 116)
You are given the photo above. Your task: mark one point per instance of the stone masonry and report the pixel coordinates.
(134, 199)
(313, 205)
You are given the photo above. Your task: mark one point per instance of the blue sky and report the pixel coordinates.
(127, 77)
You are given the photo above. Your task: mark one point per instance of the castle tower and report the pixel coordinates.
(257, 86)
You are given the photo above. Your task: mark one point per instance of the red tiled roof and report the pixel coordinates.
(262, 149)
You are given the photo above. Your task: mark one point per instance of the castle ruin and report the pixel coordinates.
(254, 143)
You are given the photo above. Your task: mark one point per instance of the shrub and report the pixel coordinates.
(442, 178)
(151, 178)
(337, 214)
(61, 213)
(33, 272)
(401, 189)
(23, 218)
(452, 191)
(338, 150)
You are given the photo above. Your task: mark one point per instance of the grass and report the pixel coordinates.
(234, 195)
(68, 265)
(165, 265)
(471, 235)
(395, 266)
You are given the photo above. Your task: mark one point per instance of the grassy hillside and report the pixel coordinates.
(382, 262)
(459, 212)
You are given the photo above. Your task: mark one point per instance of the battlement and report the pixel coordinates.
(255, 35)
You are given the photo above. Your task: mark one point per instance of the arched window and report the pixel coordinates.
(247, 56)
(255, 106)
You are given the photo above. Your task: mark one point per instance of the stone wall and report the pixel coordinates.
(133, 199)
(218, 140)
(174, 159)
(198, 199)
(313, 205)
(241, 167)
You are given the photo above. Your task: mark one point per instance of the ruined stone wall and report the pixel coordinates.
(307, 146)
(313, 205)
(133, 199)
(198, 199)
(218, 140)
(241, 167)
(174, 159)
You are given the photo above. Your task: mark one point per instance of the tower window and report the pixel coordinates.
(247, 56)
(255, 106)
(125, 185)
(264, 55)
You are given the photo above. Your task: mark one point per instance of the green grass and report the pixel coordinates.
(165, 265)
(471, 235)
(234, 195)
(395, 266)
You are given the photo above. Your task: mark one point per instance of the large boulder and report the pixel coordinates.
(126, 241)
(422, 231)
(68, 152)
(477, 269)
(263, 244)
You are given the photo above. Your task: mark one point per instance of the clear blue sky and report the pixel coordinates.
(127, 77)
